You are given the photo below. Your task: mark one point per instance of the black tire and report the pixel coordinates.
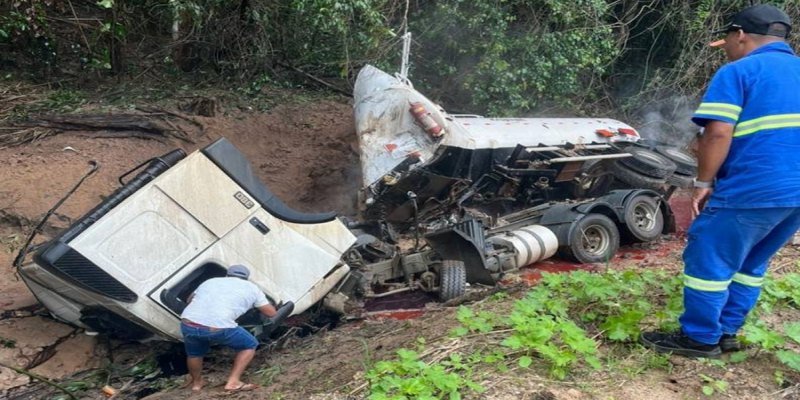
(685, 164)
(644, 219)
(681, 181)
(453, 280)
(593, 239)
(635, 179)
(595, 180)
(648, 162)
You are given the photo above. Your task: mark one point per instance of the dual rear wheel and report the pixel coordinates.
(595, 238)
(656, 167)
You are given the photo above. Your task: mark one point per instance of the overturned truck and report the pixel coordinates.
(447, 201)
(478, 188)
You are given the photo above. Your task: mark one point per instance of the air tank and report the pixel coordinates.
(530, 244)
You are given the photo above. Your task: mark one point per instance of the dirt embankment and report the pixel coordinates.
(306, 154)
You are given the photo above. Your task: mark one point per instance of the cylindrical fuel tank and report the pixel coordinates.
(532, 243)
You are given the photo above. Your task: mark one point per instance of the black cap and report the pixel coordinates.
(757, 19)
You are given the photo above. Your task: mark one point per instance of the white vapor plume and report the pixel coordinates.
(668, 120)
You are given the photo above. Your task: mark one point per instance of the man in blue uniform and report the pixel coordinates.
(747, 193)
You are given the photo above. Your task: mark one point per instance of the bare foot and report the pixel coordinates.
(186, 382)
(197, 386)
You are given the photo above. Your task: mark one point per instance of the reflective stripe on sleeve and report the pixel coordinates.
(720, 109)
(704, 285)
(748, 280)
(768, 122)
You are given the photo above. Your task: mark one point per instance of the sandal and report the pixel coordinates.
(245, 387)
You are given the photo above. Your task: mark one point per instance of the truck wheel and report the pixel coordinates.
(644, 219)
(648, 162)
(453, 280)
(685, 164)
(681, 181)
(635, 179)
(594, 239)
(595, 181)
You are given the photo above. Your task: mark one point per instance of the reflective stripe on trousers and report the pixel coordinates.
(726, 259)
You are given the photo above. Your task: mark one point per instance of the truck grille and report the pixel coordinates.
(85, 272)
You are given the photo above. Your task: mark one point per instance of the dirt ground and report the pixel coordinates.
(307, 154)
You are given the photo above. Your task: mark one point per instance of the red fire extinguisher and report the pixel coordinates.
(424, 118)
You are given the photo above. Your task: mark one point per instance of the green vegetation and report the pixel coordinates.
(712, 385)
(7, 343)
(507, 57)
(409, 377)
(570, 324)
(268, 374)
(143, 373)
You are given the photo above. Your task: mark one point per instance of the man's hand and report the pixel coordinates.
(699, 198)
(269, 324)
(268, 310)
(711, 150)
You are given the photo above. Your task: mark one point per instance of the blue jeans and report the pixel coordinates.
(197, 340)
(725, 263)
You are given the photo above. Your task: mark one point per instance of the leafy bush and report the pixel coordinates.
(552, 320)
(245, 38)
(501, 57)
(561, 323)
(507, 57)
(408, 377)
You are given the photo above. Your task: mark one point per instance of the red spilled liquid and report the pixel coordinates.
(400, 306)
(532, 273)
(681, 205)
(395, 314)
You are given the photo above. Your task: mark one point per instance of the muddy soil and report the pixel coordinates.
(307, 155)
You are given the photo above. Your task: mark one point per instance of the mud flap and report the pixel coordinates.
(464, 241)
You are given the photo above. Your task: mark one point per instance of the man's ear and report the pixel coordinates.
(741, 37)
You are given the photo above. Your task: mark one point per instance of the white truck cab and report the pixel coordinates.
(129, 265)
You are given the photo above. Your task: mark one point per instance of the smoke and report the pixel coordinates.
(668, 120)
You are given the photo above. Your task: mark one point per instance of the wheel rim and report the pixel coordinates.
(644, 217)
(653, 157)
(590, 182)
(596, 240)
(679, 155)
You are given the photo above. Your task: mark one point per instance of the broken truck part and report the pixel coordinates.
(588, 182)
(491, 165)
(454, 256)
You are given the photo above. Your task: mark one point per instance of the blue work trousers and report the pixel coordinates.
(725, 262)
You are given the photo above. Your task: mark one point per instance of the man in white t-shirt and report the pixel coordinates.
(210, 319)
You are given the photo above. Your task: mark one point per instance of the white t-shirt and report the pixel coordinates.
(217, 302)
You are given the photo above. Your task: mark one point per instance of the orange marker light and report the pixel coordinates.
(604, 133)
(628, 131)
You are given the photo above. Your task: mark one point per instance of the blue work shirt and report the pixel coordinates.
(760, 95)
